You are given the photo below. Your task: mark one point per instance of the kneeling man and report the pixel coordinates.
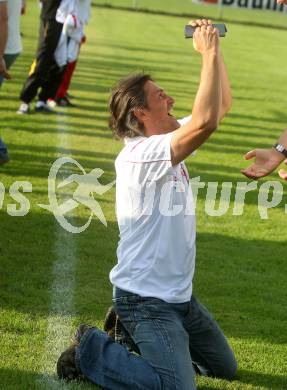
(173, 332)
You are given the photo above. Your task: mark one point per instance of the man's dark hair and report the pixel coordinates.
(126, 97)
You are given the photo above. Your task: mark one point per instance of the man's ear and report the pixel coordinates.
(140, 114)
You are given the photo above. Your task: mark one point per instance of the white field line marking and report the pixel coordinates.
(62, 289)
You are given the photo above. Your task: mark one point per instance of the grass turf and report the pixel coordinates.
(191, 8)
(241, 267)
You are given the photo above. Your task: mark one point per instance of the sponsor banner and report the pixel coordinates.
(251, 4)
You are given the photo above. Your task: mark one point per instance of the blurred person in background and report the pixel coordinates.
(13, 45)
(74, 14)
(45, 74)
(10, 46)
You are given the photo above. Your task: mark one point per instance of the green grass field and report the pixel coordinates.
(51, 280)
(189, 7)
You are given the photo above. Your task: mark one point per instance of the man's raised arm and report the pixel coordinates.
(226, 101)
(225, 89)
(208, 100)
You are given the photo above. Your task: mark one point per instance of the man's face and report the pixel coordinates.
(158, 118)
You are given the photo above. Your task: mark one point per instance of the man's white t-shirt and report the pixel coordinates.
(14, 45)
(156, 251)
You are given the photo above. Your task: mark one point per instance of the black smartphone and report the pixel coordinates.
(189, 30)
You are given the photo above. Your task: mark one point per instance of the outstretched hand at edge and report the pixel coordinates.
(266, 161)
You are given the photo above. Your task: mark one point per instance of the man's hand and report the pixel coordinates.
(266, 160)
(282, 2)
(205, 37)
(3, 70)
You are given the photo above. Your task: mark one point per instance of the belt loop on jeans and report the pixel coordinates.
(119, 293)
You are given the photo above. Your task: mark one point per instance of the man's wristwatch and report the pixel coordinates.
(280, 148)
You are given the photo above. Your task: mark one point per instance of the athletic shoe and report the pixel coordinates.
(43, 107)
(115, 329)
(66, 364)
(4, 157)
(110, 322)
(51, 103)
(23, 109)
(80, 331)
(64, 102)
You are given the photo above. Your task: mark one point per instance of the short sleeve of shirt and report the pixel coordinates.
(151, 156)
(184, 120)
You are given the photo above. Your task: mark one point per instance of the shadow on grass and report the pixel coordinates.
(260, 379)
(233, 277)
(23, 379)
(28, 250)
(95, 111)
(11, 378)
(36, 161)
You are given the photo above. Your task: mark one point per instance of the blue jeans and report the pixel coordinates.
(3, 152)
(174, 341)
